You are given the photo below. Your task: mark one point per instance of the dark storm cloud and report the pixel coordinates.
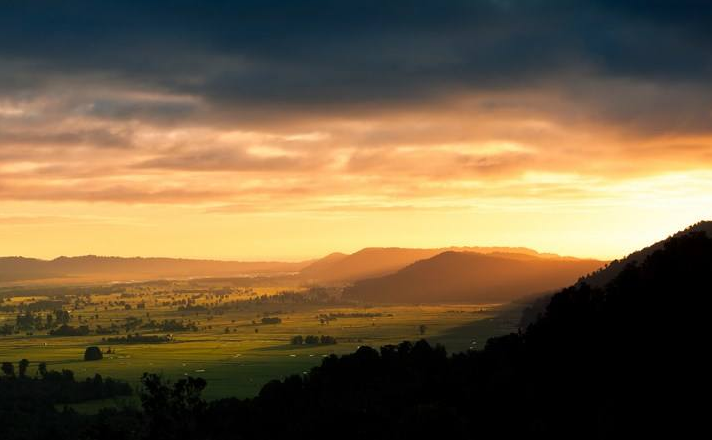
(310, 56)
(100, 138)
(232, 159)
(127, 109)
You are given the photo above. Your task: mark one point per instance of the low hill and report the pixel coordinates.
(322, 265)
(367, 262)
(605, 275)
(376, 261)
(469, 276)
(21, 268)
(92, 267)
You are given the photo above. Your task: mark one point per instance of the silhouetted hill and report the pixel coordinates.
(469, 276)
(602, 277)
(374, 262)
(117, 268)
(367, 262)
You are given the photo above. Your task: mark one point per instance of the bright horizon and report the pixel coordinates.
(639, 242)
(603, 234)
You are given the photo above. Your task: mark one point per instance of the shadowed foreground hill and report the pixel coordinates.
(602, 277)
(375, 262)
(466, 276)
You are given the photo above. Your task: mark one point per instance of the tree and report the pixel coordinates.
(42, 369)
(297, 340)
(422, 328)
(8, 369)
(172, 408)
(93, 354)
(22, 367)
(62, 316)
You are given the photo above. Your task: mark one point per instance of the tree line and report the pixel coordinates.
(312, 340)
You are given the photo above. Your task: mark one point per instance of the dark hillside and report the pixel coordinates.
(602, 277)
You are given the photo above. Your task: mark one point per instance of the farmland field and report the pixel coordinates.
(237, 338)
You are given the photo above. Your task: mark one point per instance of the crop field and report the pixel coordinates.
(237, 338)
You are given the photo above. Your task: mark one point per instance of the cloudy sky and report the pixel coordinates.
(289, 129)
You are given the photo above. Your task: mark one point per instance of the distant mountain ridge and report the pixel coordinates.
(378, 261)
(472, 277)
(110, 268)
(605, 275)
(335, 268)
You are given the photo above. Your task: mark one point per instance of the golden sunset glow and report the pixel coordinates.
(300, 189)
(106, 159)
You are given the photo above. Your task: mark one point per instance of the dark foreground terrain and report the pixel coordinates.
(598, 363)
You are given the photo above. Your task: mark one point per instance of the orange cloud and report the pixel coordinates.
(461, 170)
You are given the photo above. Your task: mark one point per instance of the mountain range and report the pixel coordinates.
(98, 268)
(336, 268)
(375, 261)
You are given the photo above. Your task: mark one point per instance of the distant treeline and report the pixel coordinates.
(30, 320)
(61, 291)
(335, 316)
(57, 324)
(68, 330)
(313, 340)
(35, 306)
(325, 318)
(138, 338)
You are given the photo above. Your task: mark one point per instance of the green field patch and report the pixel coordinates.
(228, 345)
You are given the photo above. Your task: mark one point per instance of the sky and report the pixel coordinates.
(283, 129)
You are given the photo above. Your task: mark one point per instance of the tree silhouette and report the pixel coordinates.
(42, 369)
(93, 354)
(8, 369)
(22, 367)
